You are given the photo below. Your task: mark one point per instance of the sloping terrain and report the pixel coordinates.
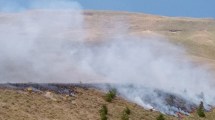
(197, 36)
(85, 105)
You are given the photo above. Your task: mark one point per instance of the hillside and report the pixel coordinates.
(197, 36)
(85, 105)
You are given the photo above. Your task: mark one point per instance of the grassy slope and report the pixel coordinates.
(196, 35)
(22, 105)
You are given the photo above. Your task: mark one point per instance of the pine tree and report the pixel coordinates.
(200, 110)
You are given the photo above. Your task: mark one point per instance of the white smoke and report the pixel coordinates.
(35, 43)
(148, 72)
(43, 45)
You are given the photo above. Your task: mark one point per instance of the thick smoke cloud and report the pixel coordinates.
(45, 43)
(34, 44)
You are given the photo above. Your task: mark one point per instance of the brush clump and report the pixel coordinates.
(110, 95)
(125, 114)
(103, 112)
(160, 117)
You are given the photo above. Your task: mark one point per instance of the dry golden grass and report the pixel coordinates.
(196, 35)
(22, 105)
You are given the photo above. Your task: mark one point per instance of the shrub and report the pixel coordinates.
(108, 98)
(127, 111)
(124, 116)
(110, 95)
(200, 110)
(104, 109)
(103, 112)
(160, 117)
(103, 116)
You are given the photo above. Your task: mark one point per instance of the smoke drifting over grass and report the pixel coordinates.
(35, 43)
(46, 44)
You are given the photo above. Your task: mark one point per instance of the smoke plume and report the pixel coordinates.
(44, 42)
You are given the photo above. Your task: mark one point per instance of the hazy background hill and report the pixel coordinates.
(197, 36)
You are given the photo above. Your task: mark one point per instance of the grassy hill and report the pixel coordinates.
(197, 36)
(85, 105)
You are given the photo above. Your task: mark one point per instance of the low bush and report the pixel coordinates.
(104, 109)
(160, 117)
(125, 116)
(110, 95)
(103, 112)
(108, 98)
(127, 111)
(103, 116)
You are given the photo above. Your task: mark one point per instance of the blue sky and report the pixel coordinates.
(186, 8)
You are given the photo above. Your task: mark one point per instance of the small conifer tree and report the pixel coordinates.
(200, 110)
